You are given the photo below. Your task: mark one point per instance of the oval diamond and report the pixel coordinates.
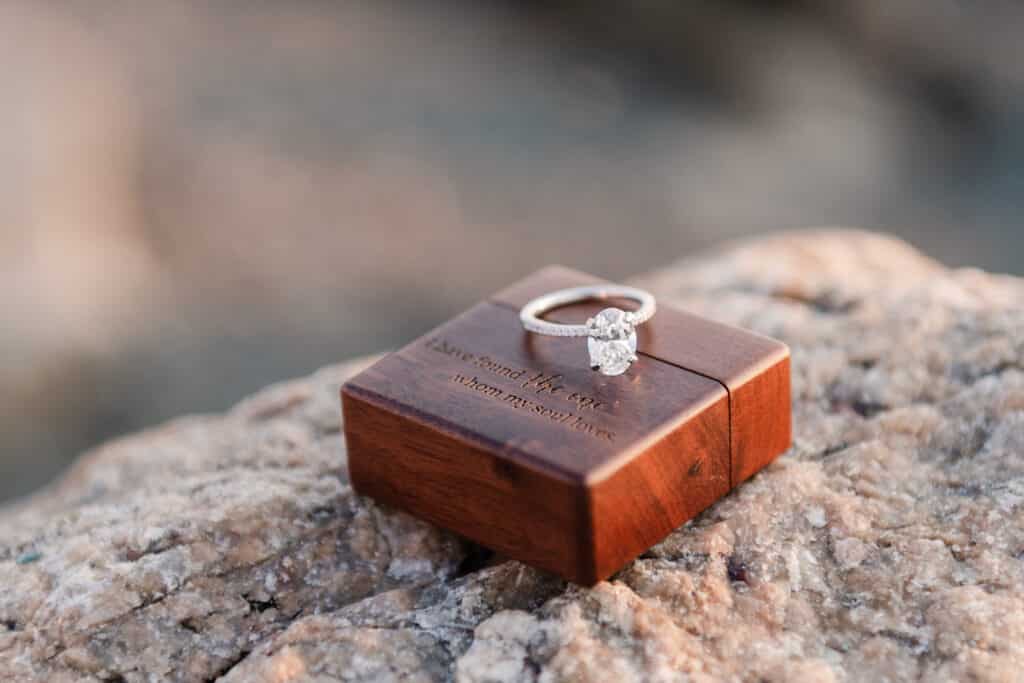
(612, 342)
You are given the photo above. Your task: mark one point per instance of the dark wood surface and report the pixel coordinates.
(629, 408)
(410, 462)
(511, 440)
(677, 477)
(754, 369)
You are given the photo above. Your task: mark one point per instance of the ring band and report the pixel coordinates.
(611, 334)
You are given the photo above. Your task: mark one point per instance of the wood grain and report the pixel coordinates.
(754, 369)
(412, 463)
(511, 440)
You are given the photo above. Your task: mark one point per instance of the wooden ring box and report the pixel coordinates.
(511, 440)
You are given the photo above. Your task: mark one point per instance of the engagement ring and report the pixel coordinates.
(611, 334)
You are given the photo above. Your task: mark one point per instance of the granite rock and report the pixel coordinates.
(887, 544)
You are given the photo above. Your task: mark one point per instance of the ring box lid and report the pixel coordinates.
(739, 360)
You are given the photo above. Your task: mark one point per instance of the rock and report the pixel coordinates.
(888, 544)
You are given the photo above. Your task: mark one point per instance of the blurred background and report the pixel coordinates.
(197, 198)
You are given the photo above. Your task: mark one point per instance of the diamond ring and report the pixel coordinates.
(611, 334)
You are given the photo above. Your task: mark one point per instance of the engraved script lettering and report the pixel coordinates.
(498, 369)
(585, 402)
(525, 404)
(539, 384)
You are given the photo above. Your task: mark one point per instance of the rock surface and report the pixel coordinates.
(888, 544)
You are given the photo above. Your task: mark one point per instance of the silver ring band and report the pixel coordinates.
(611, 334)
(531, 312)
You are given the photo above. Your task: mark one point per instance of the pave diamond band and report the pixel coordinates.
(611, 334)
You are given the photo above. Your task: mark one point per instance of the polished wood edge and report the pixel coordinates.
(781, 356)
(778, 353)
(655, 435)
(515, 457)
(628, 547)
(574, 565)
(749, 457)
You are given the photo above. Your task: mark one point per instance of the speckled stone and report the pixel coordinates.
(888, 544)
